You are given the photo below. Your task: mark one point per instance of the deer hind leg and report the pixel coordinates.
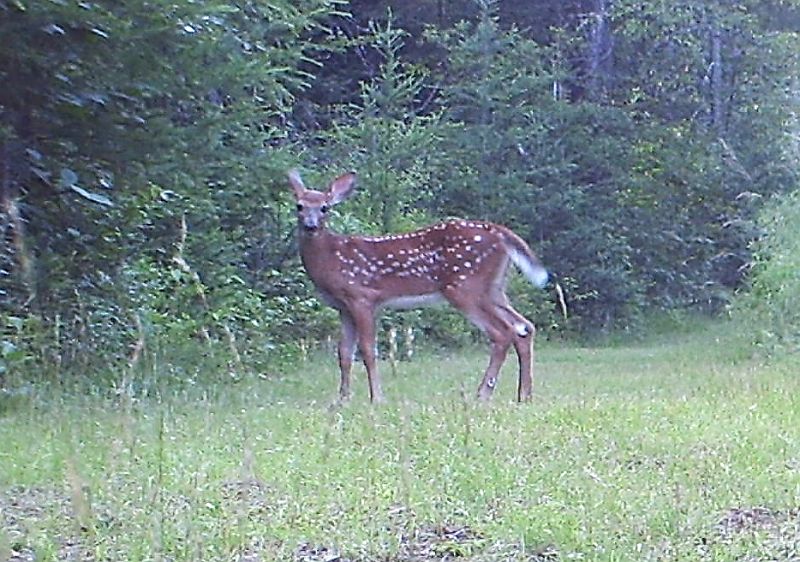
(499, 351)
(524, 332)
(364, 321)
(484, 314)
(347, 350)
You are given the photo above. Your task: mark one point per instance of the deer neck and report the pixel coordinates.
(315, 251)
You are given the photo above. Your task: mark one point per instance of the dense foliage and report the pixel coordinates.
(143, 150)
(771, 306)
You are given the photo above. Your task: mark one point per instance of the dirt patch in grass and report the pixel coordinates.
(760, 533)
(745, 520)
(440, 543)
(310, 553)
(252, 495)
(24, 511)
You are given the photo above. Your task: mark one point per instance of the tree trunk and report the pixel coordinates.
(717, 82)
(601, 46)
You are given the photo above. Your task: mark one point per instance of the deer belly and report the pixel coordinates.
(414, 301)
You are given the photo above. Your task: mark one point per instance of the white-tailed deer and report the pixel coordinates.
(461, 262)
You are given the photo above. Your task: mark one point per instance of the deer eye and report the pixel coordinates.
(299, 207)
(324, 209)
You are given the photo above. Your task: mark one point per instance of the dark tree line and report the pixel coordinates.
(144, 145)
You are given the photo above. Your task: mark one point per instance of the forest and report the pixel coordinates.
(647, 151)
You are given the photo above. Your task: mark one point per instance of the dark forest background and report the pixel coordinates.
(144, 147)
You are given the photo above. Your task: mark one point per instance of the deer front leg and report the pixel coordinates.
(347, 350)
(365, 328)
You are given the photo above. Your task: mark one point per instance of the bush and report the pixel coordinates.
(771, 307)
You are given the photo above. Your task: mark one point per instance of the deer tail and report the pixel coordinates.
(524, 258)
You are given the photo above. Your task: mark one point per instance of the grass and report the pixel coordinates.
(676, 448)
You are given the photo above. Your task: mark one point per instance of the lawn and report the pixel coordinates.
(673, 448)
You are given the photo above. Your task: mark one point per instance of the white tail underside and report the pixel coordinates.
(535, 273)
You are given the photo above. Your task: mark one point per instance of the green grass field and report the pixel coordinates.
(675, 448)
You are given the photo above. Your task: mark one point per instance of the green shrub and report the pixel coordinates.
(770, 310)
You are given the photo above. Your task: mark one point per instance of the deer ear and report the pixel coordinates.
(341, 188)
(297, 183)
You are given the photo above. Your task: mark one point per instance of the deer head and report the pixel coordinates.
(313, 206)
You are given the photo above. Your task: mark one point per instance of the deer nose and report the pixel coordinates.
(311, 223)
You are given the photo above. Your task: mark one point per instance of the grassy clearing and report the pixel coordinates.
(672, 449)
